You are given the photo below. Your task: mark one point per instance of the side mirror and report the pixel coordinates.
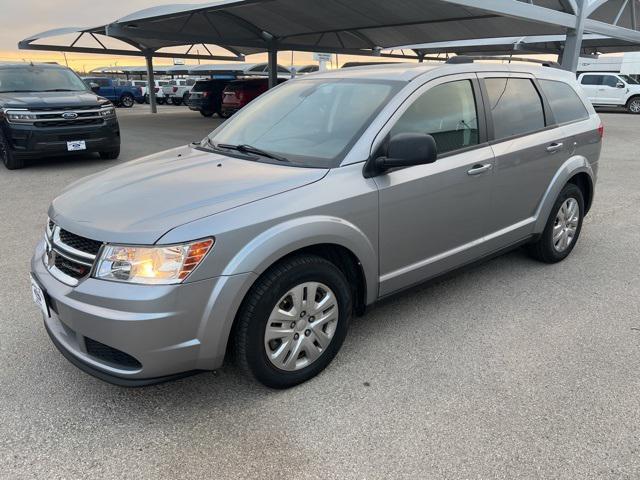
(404, 150)
(95, 88)
(620, 85)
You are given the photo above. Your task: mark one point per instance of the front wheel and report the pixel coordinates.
(127, 100)
(563, 227)
(110, 154)
(293, 321)
(633, 105)
(10, 161)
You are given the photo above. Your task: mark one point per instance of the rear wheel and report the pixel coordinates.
(8, 157)
(633, 105)
(146, 98)
(160, 101)
(293, 321)
(127, 100)
(176, 101)
(206, 114)
(563, 227)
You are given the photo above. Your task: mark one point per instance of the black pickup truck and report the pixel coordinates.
(47, 110)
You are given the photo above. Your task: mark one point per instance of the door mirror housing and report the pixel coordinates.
(95, 88)
(620, 85)
(404, 150)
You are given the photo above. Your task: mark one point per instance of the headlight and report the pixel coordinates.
(107, 111)
(151, 265)
(20, 117)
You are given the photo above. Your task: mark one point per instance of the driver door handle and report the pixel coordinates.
(478, 169)
(554, 147)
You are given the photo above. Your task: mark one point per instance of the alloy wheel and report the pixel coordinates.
(634, 106)
(301, 326)
(566, 224)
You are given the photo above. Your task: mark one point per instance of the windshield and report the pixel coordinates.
(32, 78)
(629, 80)
(313, 122)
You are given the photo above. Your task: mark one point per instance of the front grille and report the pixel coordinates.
(69, 123)
(110, 355)
(69, 257)
(83, 244)
(70, 267)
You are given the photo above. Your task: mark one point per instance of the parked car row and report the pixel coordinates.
(611, 90)
(226, 97)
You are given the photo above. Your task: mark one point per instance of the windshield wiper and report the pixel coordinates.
(253, 150)
(17, 91)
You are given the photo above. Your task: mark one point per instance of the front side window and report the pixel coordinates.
(515, 105)
(610, 81)
(310, 122)
(447, 112)
(564, 101)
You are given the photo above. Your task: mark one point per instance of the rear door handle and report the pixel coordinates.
(478, 169)
(554, 147)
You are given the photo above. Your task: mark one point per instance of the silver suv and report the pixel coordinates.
(324, 195)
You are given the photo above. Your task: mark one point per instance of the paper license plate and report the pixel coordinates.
(38, 297)
(76, 145)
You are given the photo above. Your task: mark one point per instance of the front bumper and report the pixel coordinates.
(167, 331)
(29, 141)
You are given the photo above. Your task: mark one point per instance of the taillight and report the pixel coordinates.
(175, 89)
(205, 94)
(601, 130)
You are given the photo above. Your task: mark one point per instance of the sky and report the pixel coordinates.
(24, 18)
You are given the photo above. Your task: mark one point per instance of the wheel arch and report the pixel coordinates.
(332, 238)
(575, 170)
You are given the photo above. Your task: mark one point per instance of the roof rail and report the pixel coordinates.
(458, 59)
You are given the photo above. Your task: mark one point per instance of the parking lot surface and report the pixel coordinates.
(511, 369)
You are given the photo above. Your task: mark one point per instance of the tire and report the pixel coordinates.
(223, 114)
(127, 100)
(633, 105)
(185, 98)
(110, 154)
(146, 98)
(160, 101)
(176, 101)
(206, 114)
(8, 158)
(272, 290)
(545, 249)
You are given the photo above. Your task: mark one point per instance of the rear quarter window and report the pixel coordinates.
(564, 101)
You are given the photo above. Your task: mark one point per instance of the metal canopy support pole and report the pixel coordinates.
(273, 67)
(151, 83)
(573, 44)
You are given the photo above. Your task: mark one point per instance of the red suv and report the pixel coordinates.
(240, 92)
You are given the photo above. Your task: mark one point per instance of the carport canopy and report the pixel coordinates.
(367, 27)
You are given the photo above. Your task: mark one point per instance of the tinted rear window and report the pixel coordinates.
(592, 80)
(564, 101)
(516, 106)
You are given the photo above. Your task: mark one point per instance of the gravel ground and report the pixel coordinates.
(512, 369)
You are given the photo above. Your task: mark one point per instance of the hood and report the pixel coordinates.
(49, 99)
(139, 201)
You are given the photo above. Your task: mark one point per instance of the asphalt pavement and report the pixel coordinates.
(512, 369)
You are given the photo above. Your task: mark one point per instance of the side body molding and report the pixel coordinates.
(573, 166)
(286, 237)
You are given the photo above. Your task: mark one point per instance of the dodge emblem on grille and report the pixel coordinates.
(69, 115)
